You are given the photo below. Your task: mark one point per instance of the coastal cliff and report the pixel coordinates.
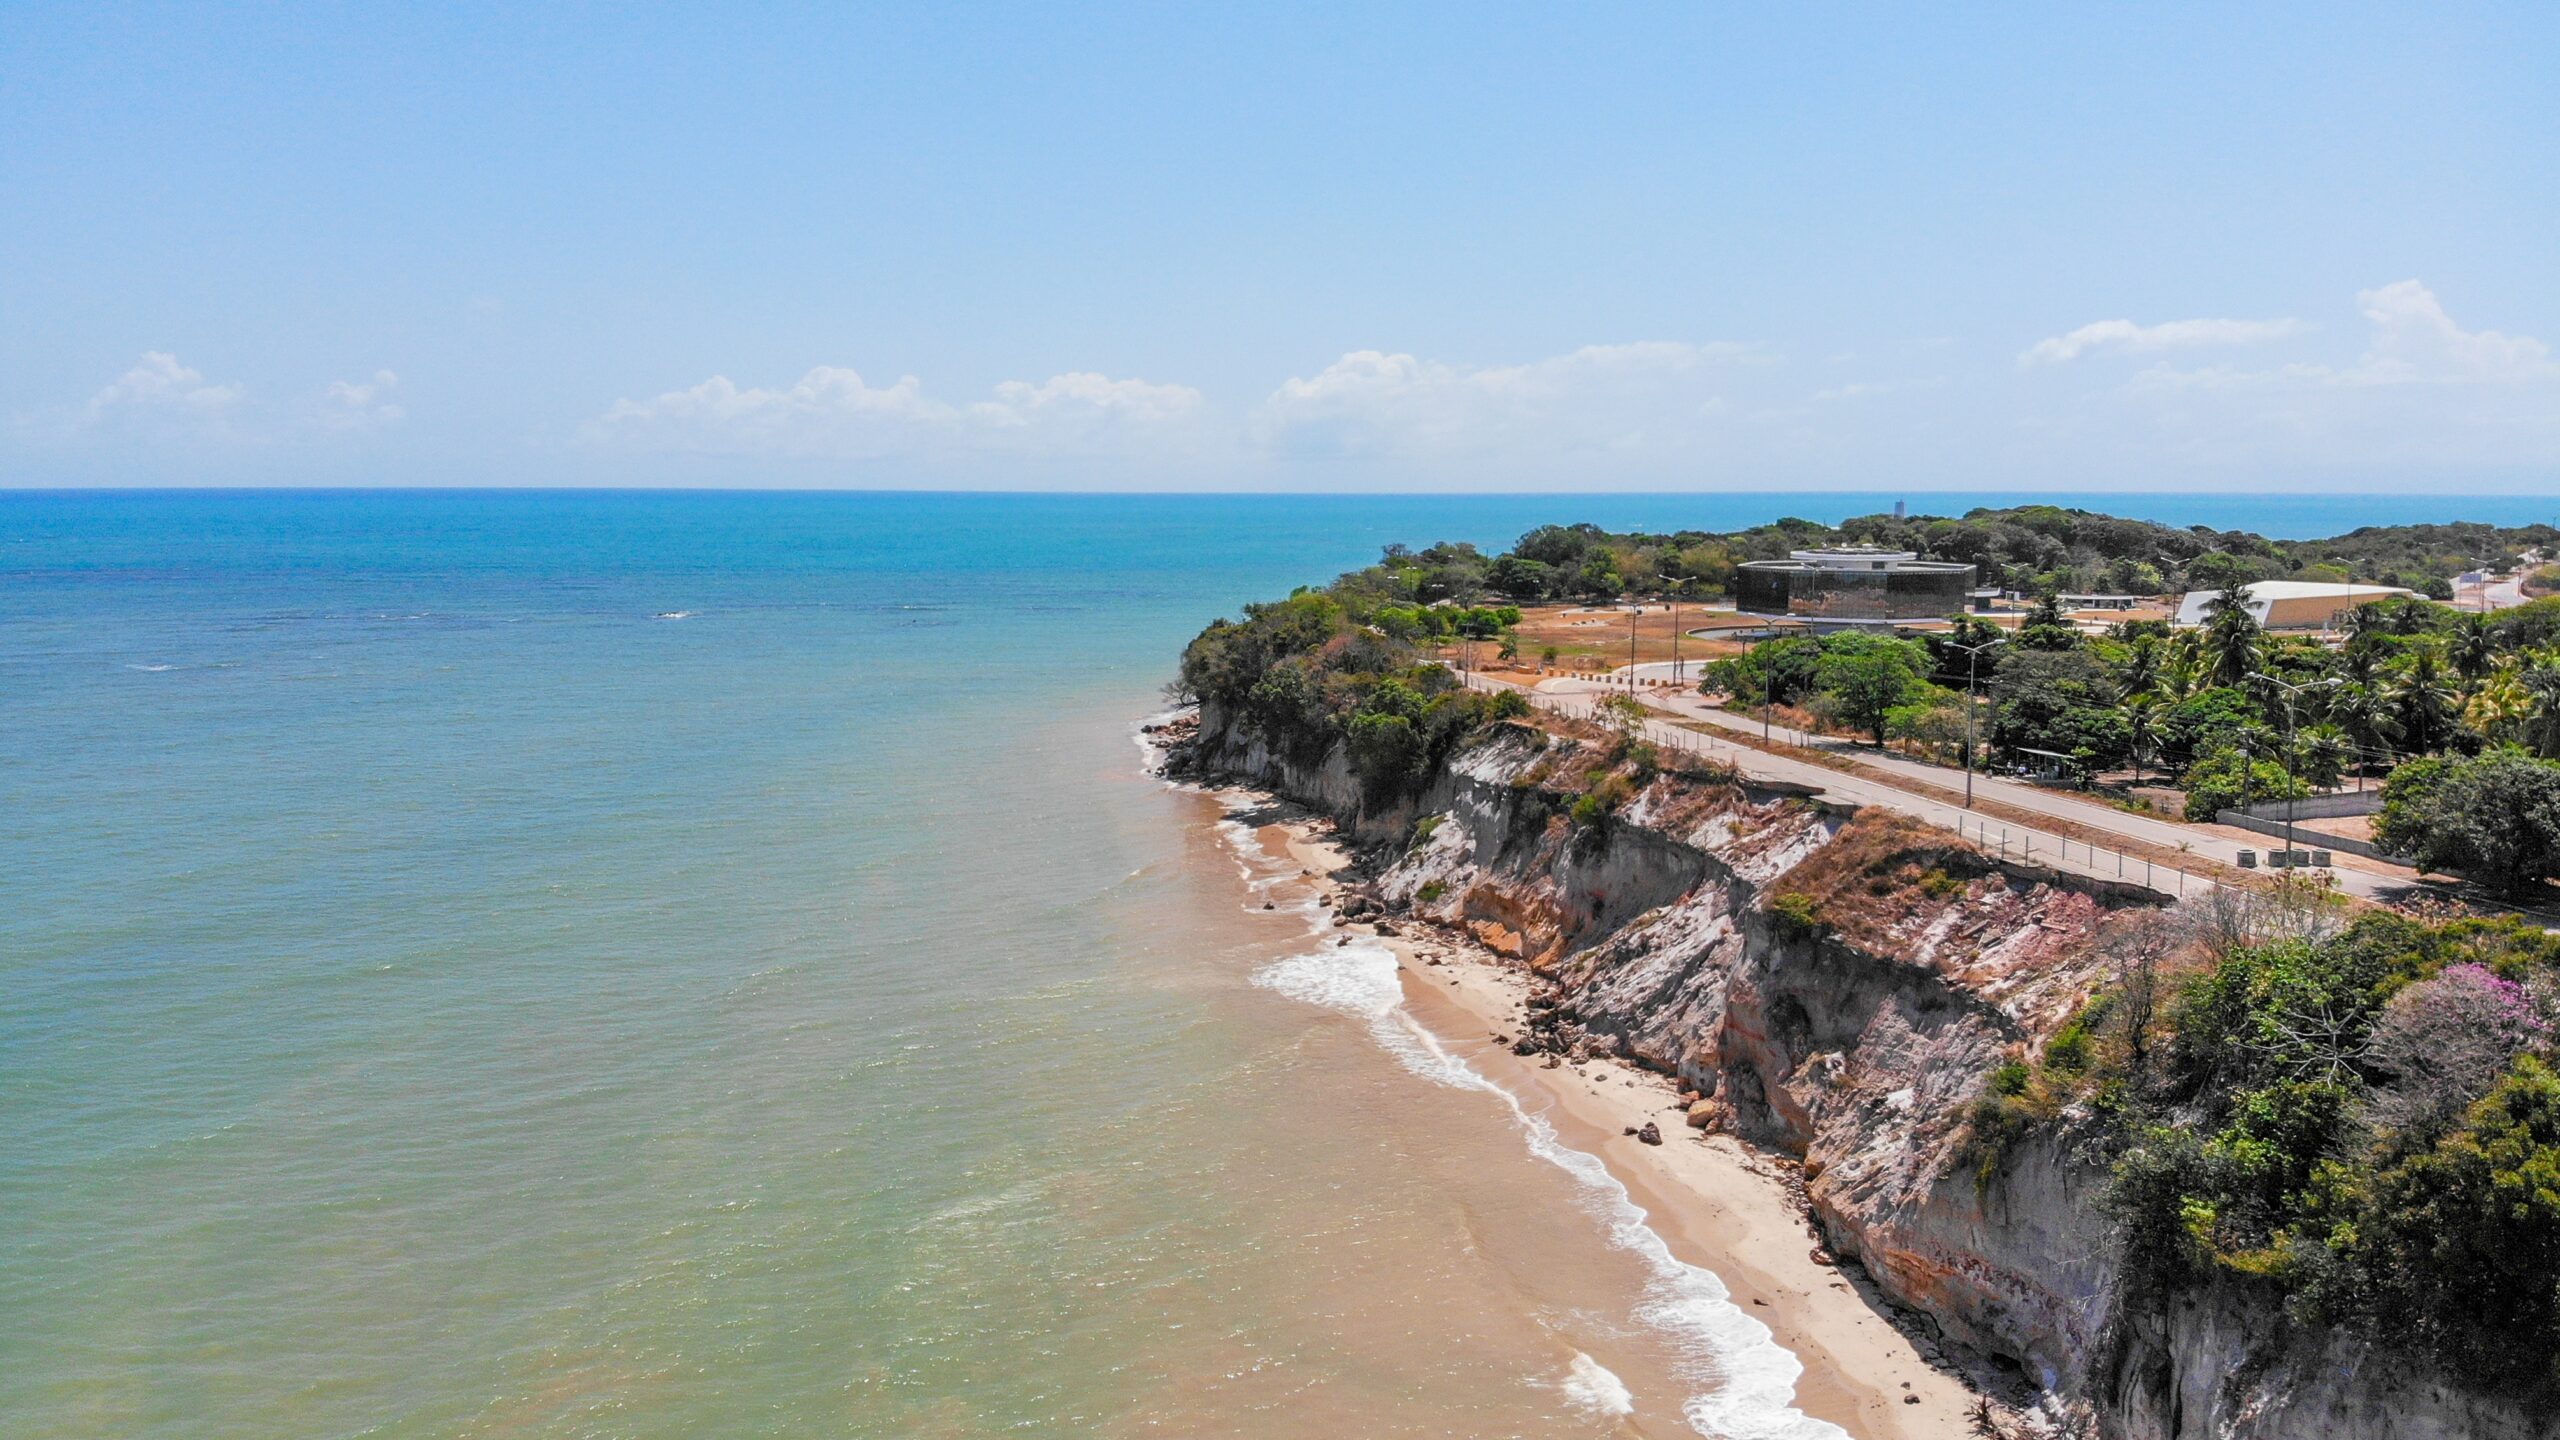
(1842, 987)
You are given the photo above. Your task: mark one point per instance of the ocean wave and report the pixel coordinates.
(1595, 1388)
(1746, 1379)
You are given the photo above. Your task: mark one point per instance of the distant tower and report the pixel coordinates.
(1901, 510)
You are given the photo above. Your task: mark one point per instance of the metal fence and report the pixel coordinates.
(2024, 846)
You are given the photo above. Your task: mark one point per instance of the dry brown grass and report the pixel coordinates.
(1883, 871)
(1596, 639)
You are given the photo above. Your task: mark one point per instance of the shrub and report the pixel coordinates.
(1602, 800)
(2070, 1049)
(2458, 1245)
(1797, 915)
(1431, 891)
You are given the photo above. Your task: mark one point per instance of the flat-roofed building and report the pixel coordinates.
(2292, 604)
(1857, 584)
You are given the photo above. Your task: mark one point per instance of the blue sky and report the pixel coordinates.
(1203, 247)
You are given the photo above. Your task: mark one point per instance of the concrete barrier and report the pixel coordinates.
(2242, 819)
(2331, 806)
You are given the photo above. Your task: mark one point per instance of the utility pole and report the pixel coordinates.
(1972, 663)
(1632, 612)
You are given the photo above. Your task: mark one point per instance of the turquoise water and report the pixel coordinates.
(676, 964)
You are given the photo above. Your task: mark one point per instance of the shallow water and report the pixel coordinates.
(653, 965)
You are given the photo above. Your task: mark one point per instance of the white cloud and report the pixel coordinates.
(1869, 389)
(360, 405)
(161, 387)
(1652, 397)
(2422, 396)
(2412, 342)
(832, 411)
(2140, 339)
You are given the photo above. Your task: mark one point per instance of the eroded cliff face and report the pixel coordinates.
(1839, 986)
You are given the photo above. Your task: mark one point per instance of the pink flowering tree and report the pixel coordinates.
(2444, 1042)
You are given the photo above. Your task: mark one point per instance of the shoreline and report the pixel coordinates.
(1718, 1204)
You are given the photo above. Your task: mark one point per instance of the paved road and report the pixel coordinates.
(2019, 842)
(2368, 880)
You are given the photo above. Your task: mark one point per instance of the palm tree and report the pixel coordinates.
(2422, 708)
(2500, 708)
(2541, 684)
(2183, 667)
(2359, 710)
(2142, 717)
(2361, 660)
(2321, 756)
(2473, 648)
(2142, 667)
(2231, 635)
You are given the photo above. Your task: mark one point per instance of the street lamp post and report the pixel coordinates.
(1972, 663)
(1679, 676)
(1768, 700)
(2290, 690)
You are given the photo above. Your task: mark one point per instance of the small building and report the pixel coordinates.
(2104, 602)
(2292, 604)
(1854, 584)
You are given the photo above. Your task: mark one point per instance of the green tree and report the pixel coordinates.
(1521, 578)
(1864, 683)
(2230, 775)
(2047, 628)
(2058, 700)
(2495, 819)
(1598, 577)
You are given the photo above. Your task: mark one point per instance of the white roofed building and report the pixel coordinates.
(2292, 604)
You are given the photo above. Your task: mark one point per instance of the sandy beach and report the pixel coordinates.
(1717, 1203)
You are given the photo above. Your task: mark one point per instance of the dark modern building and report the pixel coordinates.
(1852, 584)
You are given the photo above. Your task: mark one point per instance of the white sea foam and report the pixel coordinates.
(1746, 1380)
(1150, 747)
(676, 614)
(1595, 1388)
(1357, 979)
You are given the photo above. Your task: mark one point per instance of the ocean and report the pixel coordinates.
(680, 964)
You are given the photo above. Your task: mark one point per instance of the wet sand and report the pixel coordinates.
(1717, 1203)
